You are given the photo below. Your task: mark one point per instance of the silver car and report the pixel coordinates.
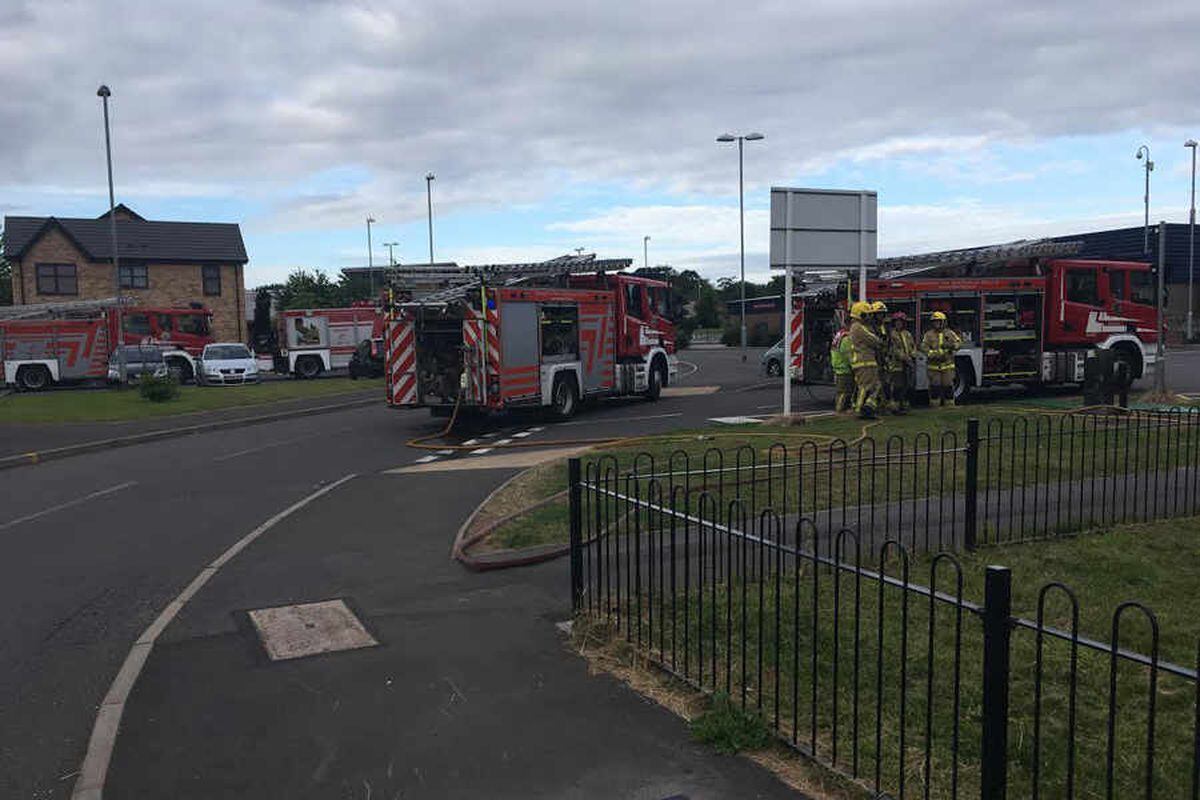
(225, 364)
(131, 362)
(772, 360)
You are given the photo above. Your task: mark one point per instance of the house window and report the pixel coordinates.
(211, 275)
(134, 276)
(57, 279)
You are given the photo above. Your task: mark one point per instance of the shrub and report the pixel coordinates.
(730, 729)
(158, 389)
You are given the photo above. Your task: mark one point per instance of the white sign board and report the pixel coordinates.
(822, 228)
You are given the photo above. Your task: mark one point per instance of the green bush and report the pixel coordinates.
(729, 728)
(732, 336)
(158, 389)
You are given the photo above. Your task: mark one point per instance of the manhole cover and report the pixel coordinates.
(309, 629)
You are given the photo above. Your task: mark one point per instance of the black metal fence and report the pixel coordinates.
(747, 579)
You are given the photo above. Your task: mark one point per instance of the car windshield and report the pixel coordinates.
(226, 351)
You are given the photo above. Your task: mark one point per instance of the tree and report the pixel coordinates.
(304, 289)
(262, 331)
(707, 314)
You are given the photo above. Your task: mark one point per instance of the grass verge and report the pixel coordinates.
(109, 405)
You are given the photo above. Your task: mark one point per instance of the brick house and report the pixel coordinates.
(161, 263)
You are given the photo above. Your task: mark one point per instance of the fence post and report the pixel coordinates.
(997, 631)
(970, 531)
(575, 493)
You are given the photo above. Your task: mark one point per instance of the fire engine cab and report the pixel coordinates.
(546, 334)
(1025, 315)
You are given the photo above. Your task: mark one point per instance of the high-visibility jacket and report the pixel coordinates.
(864, 343)
(839, 353)
(901, 350)
(940, 347)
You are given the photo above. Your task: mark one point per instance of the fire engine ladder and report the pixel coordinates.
(76, 308)
(469, 279)
(975, 261)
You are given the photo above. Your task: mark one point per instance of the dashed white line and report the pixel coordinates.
(445, 452)
(522, 434)
(481, 451)
(69, 504)
(503, 441)
(426, 459)
(538, 429)
(470, 442)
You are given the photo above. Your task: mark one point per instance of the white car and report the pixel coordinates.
(227, 363)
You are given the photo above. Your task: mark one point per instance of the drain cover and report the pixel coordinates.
(309, 629)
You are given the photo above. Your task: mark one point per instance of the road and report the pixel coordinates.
(471, 693)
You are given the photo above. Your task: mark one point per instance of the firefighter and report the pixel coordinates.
(843, 376)
(902, 351)
(864, 355)
(939, 345)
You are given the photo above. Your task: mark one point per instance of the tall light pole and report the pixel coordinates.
(429, 203)
(1144, 150)
(391, 253)
(370, 256)
(104, 93)
(1191, 238)
(645, 252)
(741, 140)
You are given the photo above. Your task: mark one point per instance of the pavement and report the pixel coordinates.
(470, 692)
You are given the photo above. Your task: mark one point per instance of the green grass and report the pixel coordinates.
(1156, 564)
(728, 728)
(109, 405)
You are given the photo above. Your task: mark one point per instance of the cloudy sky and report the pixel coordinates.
(553, 125)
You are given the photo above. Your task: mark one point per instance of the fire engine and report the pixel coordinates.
(1026, 315)
(548, 334)
(50, 343)
(317, 340)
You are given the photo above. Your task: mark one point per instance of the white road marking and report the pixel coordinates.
(425, 459)
(280, 443)
(470, 442)
(445, 452)
(522, 434)
(538, 429)
(69, 504)
(735, 420)
(695, 369)
(503, 441)
(92, 773)
(481, 451)
(622, 419)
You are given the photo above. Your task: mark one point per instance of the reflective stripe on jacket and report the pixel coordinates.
(863, 344)
(939, 347)
(901, 350)
(839, 353)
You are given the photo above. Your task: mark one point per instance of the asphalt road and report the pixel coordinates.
(99, 544)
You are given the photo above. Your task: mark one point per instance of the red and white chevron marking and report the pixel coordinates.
(492, 334)
(797, 340)
(402, 363)
(473, 359)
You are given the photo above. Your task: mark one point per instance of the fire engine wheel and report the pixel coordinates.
(654, 381)
(308, 367)
(774, 368)
(33, 378)
(564, 399)
(964, 377)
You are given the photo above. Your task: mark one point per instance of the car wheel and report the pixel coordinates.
(308, 367)
(33, 378)
(564, 399)
(774, 369)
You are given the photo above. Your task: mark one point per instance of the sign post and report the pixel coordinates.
(818, 230)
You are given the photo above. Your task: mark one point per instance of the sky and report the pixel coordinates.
(553, 126)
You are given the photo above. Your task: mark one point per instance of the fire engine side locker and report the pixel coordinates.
(520, 350)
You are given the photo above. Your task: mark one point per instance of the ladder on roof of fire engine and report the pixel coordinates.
(457, 283)
(44, 310)
(978, 258)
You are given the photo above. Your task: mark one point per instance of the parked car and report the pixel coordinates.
(131, 362)
(772, 360)
(227, 363)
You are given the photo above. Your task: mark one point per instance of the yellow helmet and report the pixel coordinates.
(878, 307)
(938, 315)
(859, 308)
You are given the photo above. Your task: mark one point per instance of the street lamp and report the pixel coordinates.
(391, 254)
(1191, 237)
(1144, 150)
(726, 138)
(429, 202)
(370, 256)
(104, 93)
(645, 252)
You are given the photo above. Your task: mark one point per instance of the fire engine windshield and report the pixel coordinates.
(195, 324)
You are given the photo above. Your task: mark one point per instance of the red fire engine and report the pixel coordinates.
(316, 340)
(1024, 317)
(52, 343)
(545, 334)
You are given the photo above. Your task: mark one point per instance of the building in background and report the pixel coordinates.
(161, 263)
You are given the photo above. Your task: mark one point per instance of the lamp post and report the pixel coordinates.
(645, 252)
(741, 140)
(429, 203)
(1191, 238)
(1144, 150)
(104, 93)
(370, 256)
(391, 254)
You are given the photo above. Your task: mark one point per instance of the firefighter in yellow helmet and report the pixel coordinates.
(939, 345)
(898, 368)
(864, 359)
